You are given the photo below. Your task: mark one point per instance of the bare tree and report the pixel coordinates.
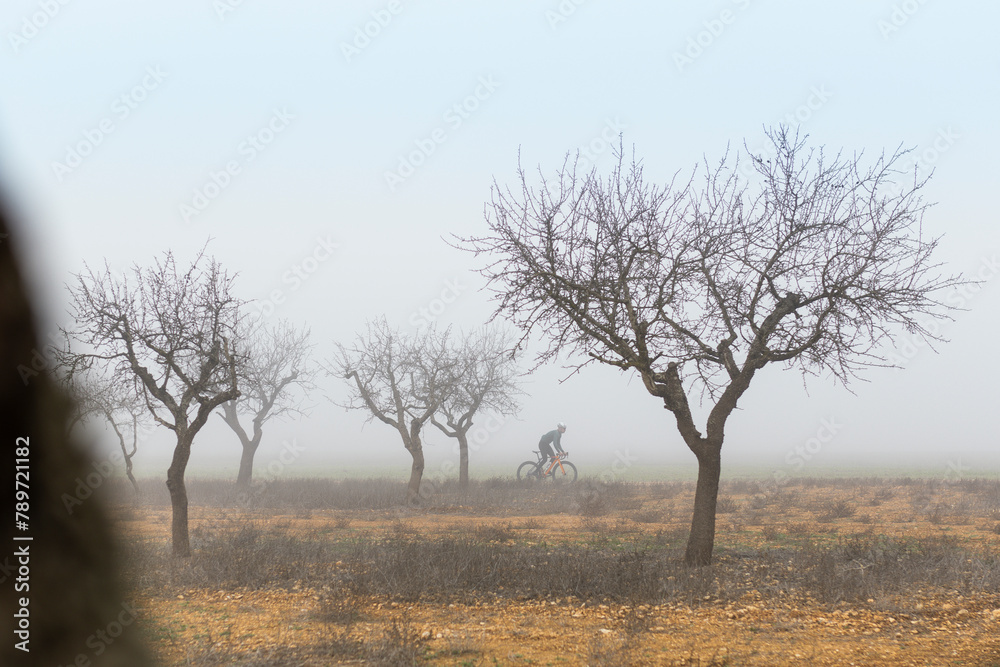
(119, 405)
(169, 332)
(274, 377)
(484, 377)
(812, 264)
(399, 380)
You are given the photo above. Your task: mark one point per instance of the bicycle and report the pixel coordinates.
(559, 471)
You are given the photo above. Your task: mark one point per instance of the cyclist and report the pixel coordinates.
(552, 438)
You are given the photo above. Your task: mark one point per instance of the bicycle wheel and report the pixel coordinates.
(528, 471)
(566, 474)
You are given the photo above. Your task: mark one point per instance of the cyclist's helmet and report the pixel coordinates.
(561, 425)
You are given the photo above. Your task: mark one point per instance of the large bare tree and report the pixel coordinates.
(696, 286)
(275, 375)
(169, 332)
(399, 379)
(485, 377)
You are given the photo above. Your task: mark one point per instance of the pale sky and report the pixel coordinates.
(281, 130)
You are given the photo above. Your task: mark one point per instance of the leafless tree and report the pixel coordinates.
(275, 376)
(168, 332)
(400, 380)
(812, 264)
(485, 373)
(74, 576)
(95, 396)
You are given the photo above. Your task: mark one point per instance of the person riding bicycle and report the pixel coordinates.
(552, 438)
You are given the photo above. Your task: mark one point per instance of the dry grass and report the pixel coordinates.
(599, 544)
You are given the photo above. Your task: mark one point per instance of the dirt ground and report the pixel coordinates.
(297, 626)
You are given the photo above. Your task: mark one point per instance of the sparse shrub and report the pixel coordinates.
(590, 501)
(494, 532)
(665, 490)
(648, 516)
(243, 553)
(338, 609)
(743, 487)
(770, 532)
(838, 509)
(726, 505)
(799, 528)
(397, 647)
(610, 652)
(882, 495)
(936, 514)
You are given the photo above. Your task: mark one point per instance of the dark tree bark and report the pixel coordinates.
(814, 263)
(179, 536)
(463, 460)
(416, 449)
(701, 541)
(245, 474)
(249, 444)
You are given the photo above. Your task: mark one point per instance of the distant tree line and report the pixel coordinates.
(171, 345)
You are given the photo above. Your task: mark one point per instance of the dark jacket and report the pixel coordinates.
(552, 437)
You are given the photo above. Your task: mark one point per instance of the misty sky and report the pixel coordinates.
(329, 149)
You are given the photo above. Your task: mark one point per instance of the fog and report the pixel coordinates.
(327, 152)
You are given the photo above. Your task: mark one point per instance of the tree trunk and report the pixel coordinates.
(246, 464)
(416, 473)
(181, 544)
(463, 461)
(131, 477)
(702, 538)
(230, 416)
